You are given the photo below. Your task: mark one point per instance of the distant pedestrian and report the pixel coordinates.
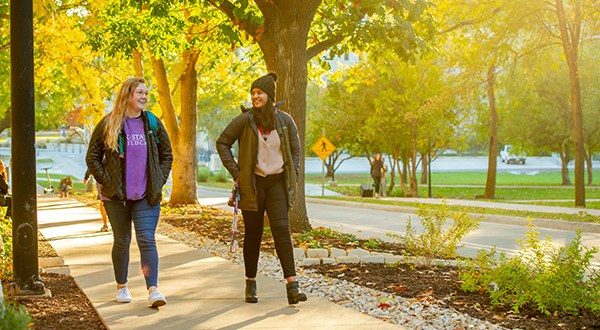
(266, 172)
(131, 163)
(5, 198)
(65, 185)
(102, 210)
(377, 167)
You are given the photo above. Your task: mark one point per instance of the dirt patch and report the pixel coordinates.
(69, 307)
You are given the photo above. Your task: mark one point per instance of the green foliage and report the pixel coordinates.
(435, 241)
(542, 275)
(6, 259)
(204, 174)
(13, 316)
(372, 243)
(267, 232)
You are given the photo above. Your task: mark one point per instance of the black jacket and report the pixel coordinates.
(244, 130)
(109, 169)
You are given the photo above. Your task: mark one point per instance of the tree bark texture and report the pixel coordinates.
(565, 158)
(588, 162)
(183, 140)
(570, 40)
(137, 64)
(490, 185)
(184, 160)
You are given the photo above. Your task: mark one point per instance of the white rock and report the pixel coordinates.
(328, 261)
(358, 252)
(393, 259)
(317, 253)
(299, 253)
(335, 252)
(347, 260)
(383, 254)
(311, 261)
(372, 259)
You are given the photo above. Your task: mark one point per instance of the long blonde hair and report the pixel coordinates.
(115, 118)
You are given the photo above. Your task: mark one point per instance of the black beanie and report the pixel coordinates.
(266, 84)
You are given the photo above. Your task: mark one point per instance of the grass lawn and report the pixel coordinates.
(45, 160)
(77, 186)
(544, 178)
(54, 176)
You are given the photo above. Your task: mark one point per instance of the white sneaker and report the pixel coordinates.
(123, 295)
(156, 299)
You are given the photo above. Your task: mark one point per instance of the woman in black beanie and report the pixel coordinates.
(266, 173)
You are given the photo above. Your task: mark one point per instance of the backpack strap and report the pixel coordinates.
(153, 125)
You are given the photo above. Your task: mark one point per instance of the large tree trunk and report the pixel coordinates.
(283, 43)
(185, 190)
(490, 185)
(183, 140)
(137, 64)
(570, 43)
(565, 158)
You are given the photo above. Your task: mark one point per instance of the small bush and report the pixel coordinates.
(13, 316)
(221, 176)
(544, 276)
(435, 242)
(203, 174)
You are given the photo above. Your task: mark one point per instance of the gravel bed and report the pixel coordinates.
(397, 310)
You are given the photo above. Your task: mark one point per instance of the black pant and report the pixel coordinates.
(377, 183)
(271, 197)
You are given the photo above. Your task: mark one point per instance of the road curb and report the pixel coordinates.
(504, 219)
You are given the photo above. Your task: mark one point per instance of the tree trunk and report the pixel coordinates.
(414, 187)
(570, 43)
(424, 169)
(490, 185)
(565, 158)
(184, 160)
(588, 161)
(137, 64)
(393, 162)
(283, 43)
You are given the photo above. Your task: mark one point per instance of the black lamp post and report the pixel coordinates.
(25, 245)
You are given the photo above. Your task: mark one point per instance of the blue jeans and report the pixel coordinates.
(145, 220)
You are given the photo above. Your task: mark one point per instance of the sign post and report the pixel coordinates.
(323, 148)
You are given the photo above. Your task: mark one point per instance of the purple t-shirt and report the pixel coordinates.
(136, 159)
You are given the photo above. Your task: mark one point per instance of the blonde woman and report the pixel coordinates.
(132, 163)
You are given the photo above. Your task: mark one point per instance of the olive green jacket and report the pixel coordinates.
(244, 130)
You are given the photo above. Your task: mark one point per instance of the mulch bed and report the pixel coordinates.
(69, 307)
(440, 285)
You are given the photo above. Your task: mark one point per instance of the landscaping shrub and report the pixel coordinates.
(435, 241)
(203, 174)
(13, 316)
(542, 275)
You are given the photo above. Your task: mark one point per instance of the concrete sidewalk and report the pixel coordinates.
(203, 291)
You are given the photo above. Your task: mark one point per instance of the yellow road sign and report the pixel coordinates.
(323, 148)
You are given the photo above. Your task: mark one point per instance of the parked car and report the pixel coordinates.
(507, 157)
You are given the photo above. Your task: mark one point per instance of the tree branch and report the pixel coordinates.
(474, 21)
(5, 122)
(227, 8)
(322, 46)
(4, 16)
(5, 47)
